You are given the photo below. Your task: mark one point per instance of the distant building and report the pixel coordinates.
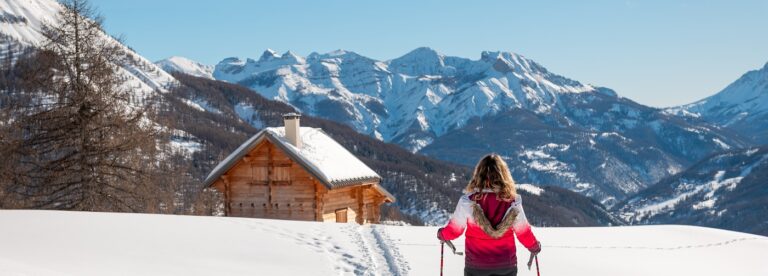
(298, 173)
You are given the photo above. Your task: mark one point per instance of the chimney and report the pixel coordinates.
(292, 128)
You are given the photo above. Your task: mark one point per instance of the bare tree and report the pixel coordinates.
(85, 145)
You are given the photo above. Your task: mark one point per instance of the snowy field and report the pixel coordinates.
(74, 243)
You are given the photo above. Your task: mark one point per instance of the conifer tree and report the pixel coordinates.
(85, 143)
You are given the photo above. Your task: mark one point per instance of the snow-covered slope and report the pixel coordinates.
(742, 106)
(75, 243)
(186, 66)
(21, 23)
(554, 130)
(728, 190)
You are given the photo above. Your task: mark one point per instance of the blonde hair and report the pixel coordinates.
(492, 173)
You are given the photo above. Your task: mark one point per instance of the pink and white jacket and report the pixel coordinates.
(489, 223)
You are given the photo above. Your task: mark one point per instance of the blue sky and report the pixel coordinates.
(659, 53)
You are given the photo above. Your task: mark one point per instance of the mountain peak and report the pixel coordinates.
(293, 57)
(338, 52)
(186, 66)
(177, 59)
(741, 106)
(231, 59)
(268, 54)
(418, 62)
(494, 55)
(423, 52)
(341, 53)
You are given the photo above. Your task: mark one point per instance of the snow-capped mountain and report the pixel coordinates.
(21, 23)
(728, 190)
(408, 100)
(557, 131)
(186, 66)
(742, 106)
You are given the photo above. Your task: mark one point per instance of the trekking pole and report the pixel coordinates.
(442, 246)
(530, 262)
(453, 248)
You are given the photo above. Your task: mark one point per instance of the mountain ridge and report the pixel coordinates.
(742, 106)
(424, 97)
(371, 102)
(187, 66)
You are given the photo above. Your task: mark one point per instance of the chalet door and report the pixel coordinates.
(341, 215)
(369, 213)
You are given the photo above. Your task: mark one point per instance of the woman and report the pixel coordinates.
(491, 211)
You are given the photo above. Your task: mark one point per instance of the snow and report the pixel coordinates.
(721, 144)
(612, 134)
(544, 162)
(583, 186)
(655, 208)
(249, 114)
(193, 104)
(686, 190)
(186, 66)
(29, 16)
(328, 157)
(186, 147)
(706, 204)
(698, 193)
(530, 188)
(140, 75)
(201, 105)
(79, 243)
(680, 111)
(418, 144)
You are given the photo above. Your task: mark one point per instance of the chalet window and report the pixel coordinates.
(341, 215)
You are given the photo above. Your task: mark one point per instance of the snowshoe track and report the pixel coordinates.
(379, 253)
(377, 247)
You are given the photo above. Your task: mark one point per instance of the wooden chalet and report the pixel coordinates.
(298, 173)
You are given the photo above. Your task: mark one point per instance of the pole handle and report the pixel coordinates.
(530, 261)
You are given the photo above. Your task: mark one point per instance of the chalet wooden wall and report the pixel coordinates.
(268, 184)
(369, 207)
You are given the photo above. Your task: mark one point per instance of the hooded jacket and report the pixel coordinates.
(491, 225)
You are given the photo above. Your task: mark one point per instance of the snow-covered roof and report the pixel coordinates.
(322, 156)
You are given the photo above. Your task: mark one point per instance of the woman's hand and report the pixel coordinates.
(535, 249)
(534, 252)
(439, 237)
